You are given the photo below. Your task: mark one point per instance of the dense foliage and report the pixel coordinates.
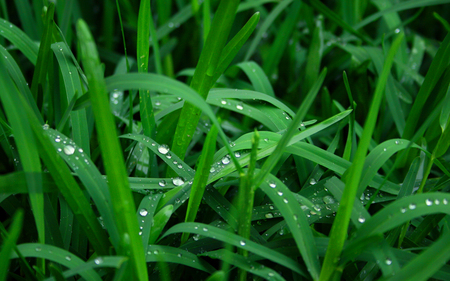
(224, 140)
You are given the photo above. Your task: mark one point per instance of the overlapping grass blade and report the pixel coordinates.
(339, 229)
(178, 256)
(20, 40)
(145, 215)
(257, 77)
(235, 240)
(121, 197)
(201, 178)
(9, 242)
(244, 263)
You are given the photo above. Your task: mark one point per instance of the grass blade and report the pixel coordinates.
(121, 198)
(339, 228)
(9, 242)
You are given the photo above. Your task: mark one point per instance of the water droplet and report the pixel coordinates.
(328, 199)
(412, 206)
(384, 149)
(312, 181)
(212, 170)
(57, 139)
(80, 150)
(68, 258)
(45, 127)
(285, 200)
(271, 207)
(226, 160)
(163, 149)
(169, 156)
(280, 193)
(170, 24)
(38, 249)
(272, 184)
(177, 181)
(436, 202)
(162, 183)
(143, 212)
(69, 150)
(242, 242)
(240, 107)
(403, 210)
(361, 219)
(445, 201)
(59, 149)
(388, 261)
(98, 260)
(156, 252)
(397, 142)
(180, 166)
(428, 202)
(223, 102)
(237, 154)
(205, 229)
(179, 255)
(397, 30)
(268, 215)
(271, 274)
(295, 217)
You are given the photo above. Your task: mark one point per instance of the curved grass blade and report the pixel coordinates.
(257, 77)
(98, 262)
(200, 178)
(72, 83)
(26, 144)
(9, 242)
(295, 218)
(204, 72)
(89, 175)
(40, 71)
(121, 197)
(233, 47)
(22, 85)
(244, 263)
(159, 222)
(56, 255)
(17, 37)
(235, 240)
(403, 210)
(265, 26)
(145, 215)
(166, 85)
(340, 225)
(157, 253)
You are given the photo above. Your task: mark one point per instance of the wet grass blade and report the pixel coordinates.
(20, 40)
(121, 197)
(201, 178)
(9, 242)
(204, 73)
(339, 229)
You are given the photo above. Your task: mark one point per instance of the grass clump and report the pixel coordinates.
(224, 140)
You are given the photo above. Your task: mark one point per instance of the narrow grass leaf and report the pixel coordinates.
(257, 77)
(145, 215)
(121, 197)
(17, 37)
(244, 263)
(235, 240)
(178, 256)
(232, 48)
(339, 228)
(9, 242)
(201, 178)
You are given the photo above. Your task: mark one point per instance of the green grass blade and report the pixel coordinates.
(20, 40)
(244, 263)
(174, 255)
(204, 72)
(339, 228)
(265, 26)
(234, 46)
(159, 222)
(145, 214)
(56, 255)
(27, 18)
(314, 56)
(26, 145)
(40, 72)
(257, 77)
(121, 197)
(282, 39)
(235, 240)
(201, 178)
(9, 242)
